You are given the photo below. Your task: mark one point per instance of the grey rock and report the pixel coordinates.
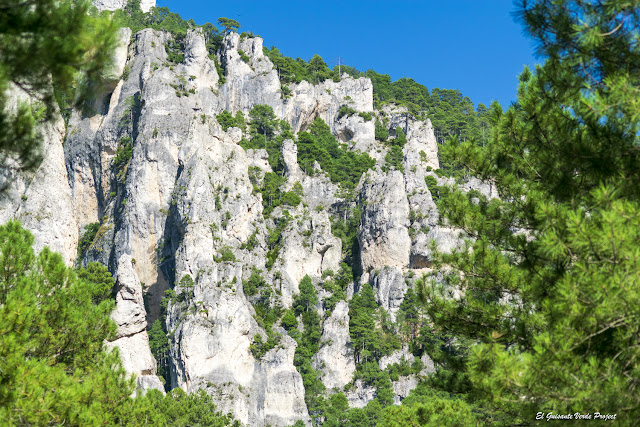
(396, 357)
(383, 232)
(41, 200)
(145, 5)
(335, 359)
(132, 340)
(389, 287)
(402, 388)
(360, 394)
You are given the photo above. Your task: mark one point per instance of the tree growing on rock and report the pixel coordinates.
(229, 25)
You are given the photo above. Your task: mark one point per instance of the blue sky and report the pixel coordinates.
(471, 45)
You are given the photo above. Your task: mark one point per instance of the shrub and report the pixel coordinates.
(90, 232)
(366, 116)
(345, 111)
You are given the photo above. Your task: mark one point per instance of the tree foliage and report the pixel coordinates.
(229, 25)
(342, 166)
(48, 50)
(550, 272)
(54, 369)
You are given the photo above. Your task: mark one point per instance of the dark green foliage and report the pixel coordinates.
(124, 153)
(289, 321)
(159, 345)
(98, 275)
(177, 408)
(159, 18)
(346, 111)
(337, 294)
(275, 241)
(296, 70)
(266, 314)
(251, 242)
(89, 235)
(54, 366)
(185, 286)
(366, 116)
(409, 317)
(343, 166)
(259, 348)
(263, 129)
(381, 131)
(345, 226)
(400, 138)
(229, 25)
(175, 49)
(262, 121)
(254, 283)
(54, 45)
(226, 120)
(226, 255)
(290, 198)
(244, 56)
(272, 197)
(394, 158)
(362, 327)
(307, 299)
(308, 345)
(550, 272)
(431, 182)
(428, 408)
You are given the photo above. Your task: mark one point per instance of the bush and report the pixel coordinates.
(254, 284)
(124, 153)
(226, 255)
(346, 111)
(226, 120)
(366, 116)
(394, 158)
(381, 132)
(244, 56)
(431, 182)
(290, 198)
(89, 235)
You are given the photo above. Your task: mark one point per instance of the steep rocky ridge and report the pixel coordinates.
(173, 196)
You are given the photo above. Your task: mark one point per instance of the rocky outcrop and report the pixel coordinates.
(335, 360)
(42, 200)
(130, 317)
(309, 249)
(389, 287)
(360, 394)
(383, 232)
(101, 5)
(174, 197)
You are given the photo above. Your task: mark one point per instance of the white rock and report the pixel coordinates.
(383, 232)
(335, 359)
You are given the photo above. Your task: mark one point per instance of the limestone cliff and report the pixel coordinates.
(174, 196)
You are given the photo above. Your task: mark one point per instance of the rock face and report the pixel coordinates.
(383, 232)
(389, 286)
(173, 195)
(101, 5)
(335, 359)
(42, 200)
(132, 340)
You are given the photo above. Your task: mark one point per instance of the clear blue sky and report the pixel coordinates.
(471, 45)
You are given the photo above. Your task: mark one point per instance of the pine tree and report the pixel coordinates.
(550, 273)
(46, 47)
(53, 368)
(362, 325)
